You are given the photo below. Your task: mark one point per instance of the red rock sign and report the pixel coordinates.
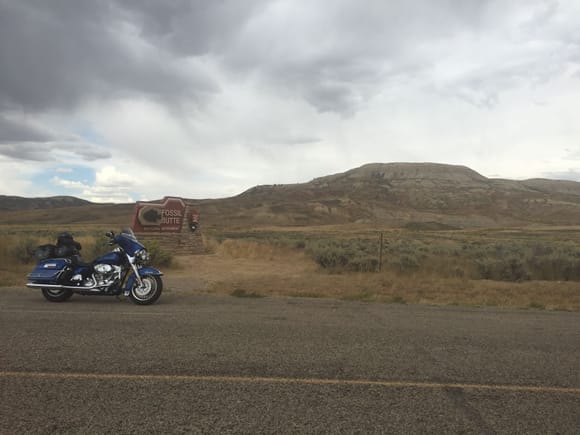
(168, 216)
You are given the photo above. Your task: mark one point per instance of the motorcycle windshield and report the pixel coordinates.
(129, 243)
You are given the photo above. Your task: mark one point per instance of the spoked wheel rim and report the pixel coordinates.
(147, 290)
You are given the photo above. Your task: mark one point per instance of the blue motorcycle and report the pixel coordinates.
(60, 272)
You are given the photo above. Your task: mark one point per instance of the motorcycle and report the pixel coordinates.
(60, 273)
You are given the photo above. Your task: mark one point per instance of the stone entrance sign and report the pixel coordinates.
(165, 217)
(171, 223)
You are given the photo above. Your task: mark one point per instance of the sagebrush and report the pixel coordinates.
(490, 255)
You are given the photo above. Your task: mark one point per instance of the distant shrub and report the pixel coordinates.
(557, 265)
(398, 300)
(300, 244)
(331, 259)
(493, 255)
(536, 305)
(21, 250)
(236, 248)
(429, 226)
(241, 293)
(344, 255)
(95, 246)
(210, 244)
(364, 263)
(514, 270)
(158, 256)
(405, 263)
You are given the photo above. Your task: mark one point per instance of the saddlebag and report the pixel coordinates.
(50, 271)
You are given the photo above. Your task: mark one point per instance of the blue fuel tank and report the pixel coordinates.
(114, 258)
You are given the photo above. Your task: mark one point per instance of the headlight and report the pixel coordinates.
(142, 255)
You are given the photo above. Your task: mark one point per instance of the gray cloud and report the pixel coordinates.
(26, 151)
(333, 54)
(339, 54)
(288, 140)
(46, 152)
(22, 140)
(261, 82)
(191, 27)
(57, 53)
(83, 150)
(12, 131)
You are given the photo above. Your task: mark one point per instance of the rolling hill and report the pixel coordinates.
(19, 203)
(387, 194)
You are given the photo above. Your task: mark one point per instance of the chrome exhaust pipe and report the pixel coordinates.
(60, 287)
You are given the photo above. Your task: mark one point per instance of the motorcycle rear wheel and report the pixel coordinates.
(149, 292)
(56, 295)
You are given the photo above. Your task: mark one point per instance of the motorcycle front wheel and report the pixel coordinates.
(147, 293)
(56, 295)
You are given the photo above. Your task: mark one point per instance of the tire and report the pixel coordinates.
(149, 292)
(56, 295)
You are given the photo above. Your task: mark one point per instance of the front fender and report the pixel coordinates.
(144, 271)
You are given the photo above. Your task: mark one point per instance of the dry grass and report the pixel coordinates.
(13, 275)
(243, 268)
(277, 262)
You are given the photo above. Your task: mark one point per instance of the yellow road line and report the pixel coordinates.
(295, 381)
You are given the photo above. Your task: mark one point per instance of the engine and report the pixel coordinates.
(106, 274)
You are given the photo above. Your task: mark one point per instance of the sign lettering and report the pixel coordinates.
(167, 216)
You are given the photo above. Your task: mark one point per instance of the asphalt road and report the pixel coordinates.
(219, 364)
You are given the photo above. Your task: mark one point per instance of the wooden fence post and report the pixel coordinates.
(381, 242)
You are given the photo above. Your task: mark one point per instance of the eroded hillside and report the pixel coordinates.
(388, 194)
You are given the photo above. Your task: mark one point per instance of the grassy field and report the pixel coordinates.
(523, 268)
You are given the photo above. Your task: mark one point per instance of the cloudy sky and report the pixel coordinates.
(124, 100)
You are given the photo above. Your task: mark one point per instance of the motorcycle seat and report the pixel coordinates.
(77, 261)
